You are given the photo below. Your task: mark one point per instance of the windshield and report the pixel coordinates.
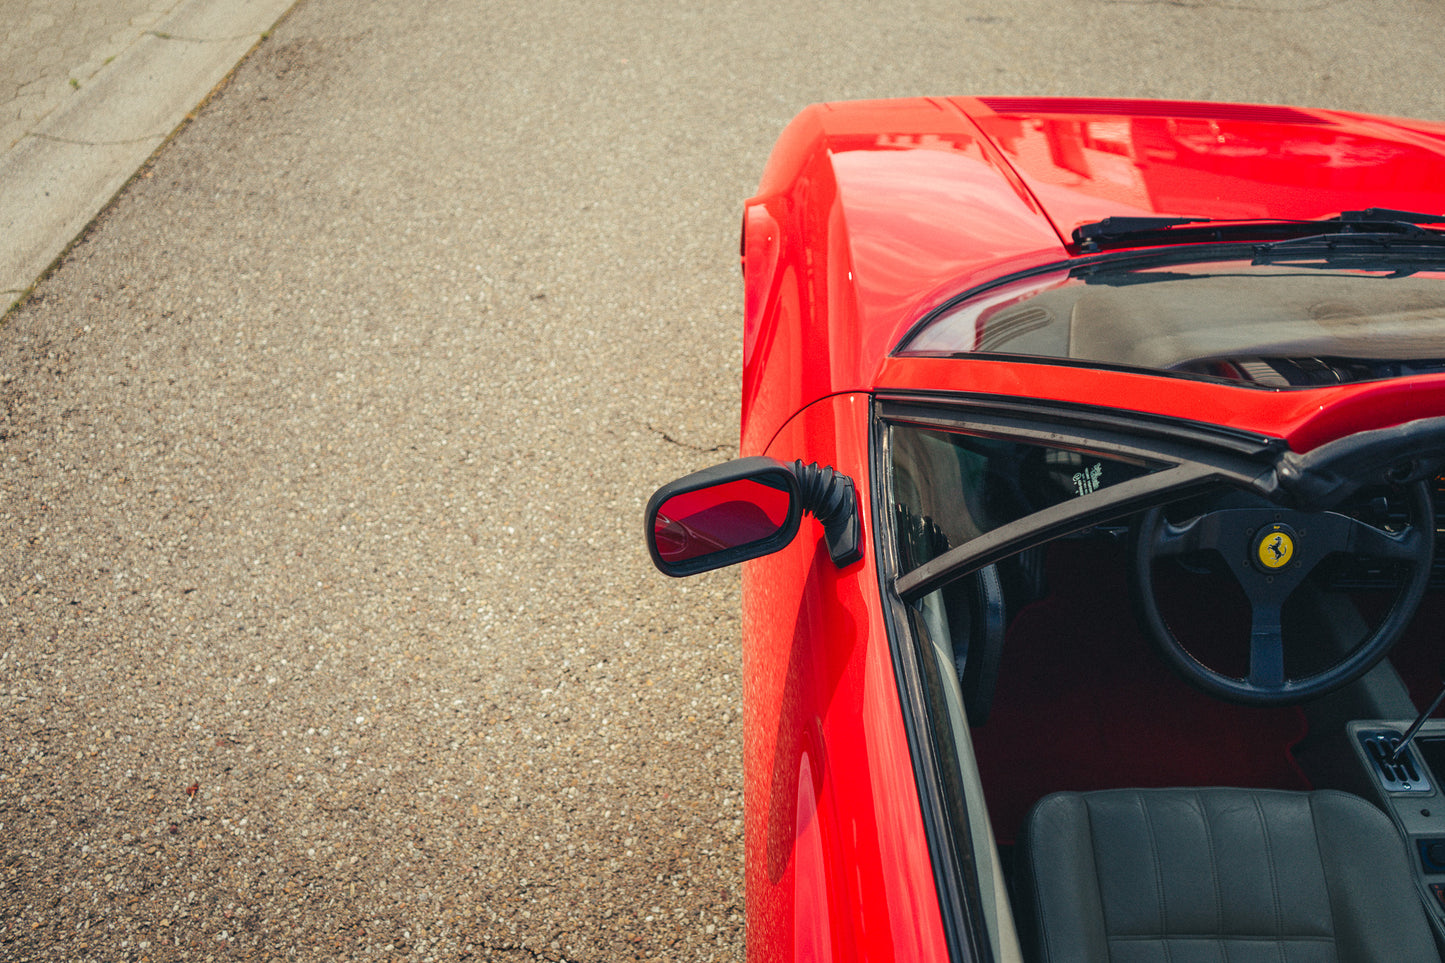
(1104, 661)
(951, 487)
(1300, 324)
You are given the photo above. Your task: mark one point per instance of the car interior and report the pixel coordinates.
(1138, 814)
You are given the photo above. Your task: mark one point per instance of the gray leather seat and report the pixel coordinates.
(1237, 875)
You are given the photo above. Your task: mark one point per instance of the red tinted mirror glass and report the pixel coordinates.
(719, 517)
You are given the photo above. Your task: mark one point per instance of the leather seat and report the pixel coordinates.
(1238, 875)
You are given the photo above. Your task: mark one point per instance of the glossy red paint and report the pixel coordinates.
(837, 859)
(1086, 159)
(869, 214)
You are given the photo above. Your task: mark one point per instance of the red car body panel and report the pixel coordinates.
(838, 865)
(866, 215)
(1085, 160)
(869, 214)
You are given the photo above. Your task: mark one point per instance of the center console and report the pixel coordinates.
(1409, 790)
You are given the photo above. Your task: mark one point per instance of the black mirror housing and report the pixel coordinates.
(746, 509)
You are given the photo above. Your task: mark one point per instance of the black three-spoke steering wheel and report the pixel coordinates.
(1270, 551)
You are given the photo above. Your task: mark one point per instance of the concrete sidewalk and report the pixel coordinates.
(88, 90)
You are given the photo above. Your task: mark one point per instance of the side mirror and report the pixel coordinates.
(746, 509)
(723, 515)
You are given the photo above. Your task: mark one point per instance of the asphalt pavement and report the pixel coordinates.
(329, 630)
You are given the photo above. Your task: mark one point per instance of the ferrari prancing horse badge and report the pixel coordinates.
(1274, 547)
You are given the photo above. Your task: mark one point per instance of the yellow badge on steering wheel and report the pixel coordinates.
(1275, 548)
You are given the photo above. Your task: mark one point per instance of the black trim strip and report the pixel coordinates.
(1102, 506)
(955, 872)
(1022, 417)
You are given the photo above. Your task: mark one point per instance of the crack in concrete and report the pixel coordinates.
(162, 35)
(688, 445)
(96, 143)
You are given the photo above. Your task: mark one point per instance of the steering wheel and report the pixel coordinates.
(1269, 551)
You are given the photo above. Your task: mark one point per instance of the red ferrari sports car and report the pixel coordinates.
(1088, 504)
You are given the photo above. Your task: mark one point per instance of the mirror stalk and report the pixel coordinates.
(830, 497)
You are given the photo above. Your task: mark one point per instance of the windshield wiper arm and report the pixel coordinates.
(1116, 227)
(1386, 215)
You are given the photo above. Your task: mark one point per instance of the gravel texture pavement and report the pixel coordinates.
(329, 632)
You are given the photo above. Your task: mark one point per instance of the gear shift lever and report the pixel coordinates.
(1410, 733)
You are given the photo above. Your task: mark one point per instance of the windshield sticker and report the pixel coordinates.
(1086, 482)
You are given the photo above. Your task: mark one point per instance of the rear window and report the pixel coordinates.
(1279, 325)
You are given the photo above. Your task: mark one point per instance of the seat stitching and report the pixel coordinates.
(1223, 943)
(1046, 940)
(1244, 938)
(1158, 876)
(1213, 862)
(1273, 877)
(1325, 876)
(1213, 872)
(1098, 883)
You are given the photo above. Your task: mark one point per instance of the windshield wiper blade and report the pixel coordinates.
(1351, 242)
(1144, 231)
(1399, 253)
